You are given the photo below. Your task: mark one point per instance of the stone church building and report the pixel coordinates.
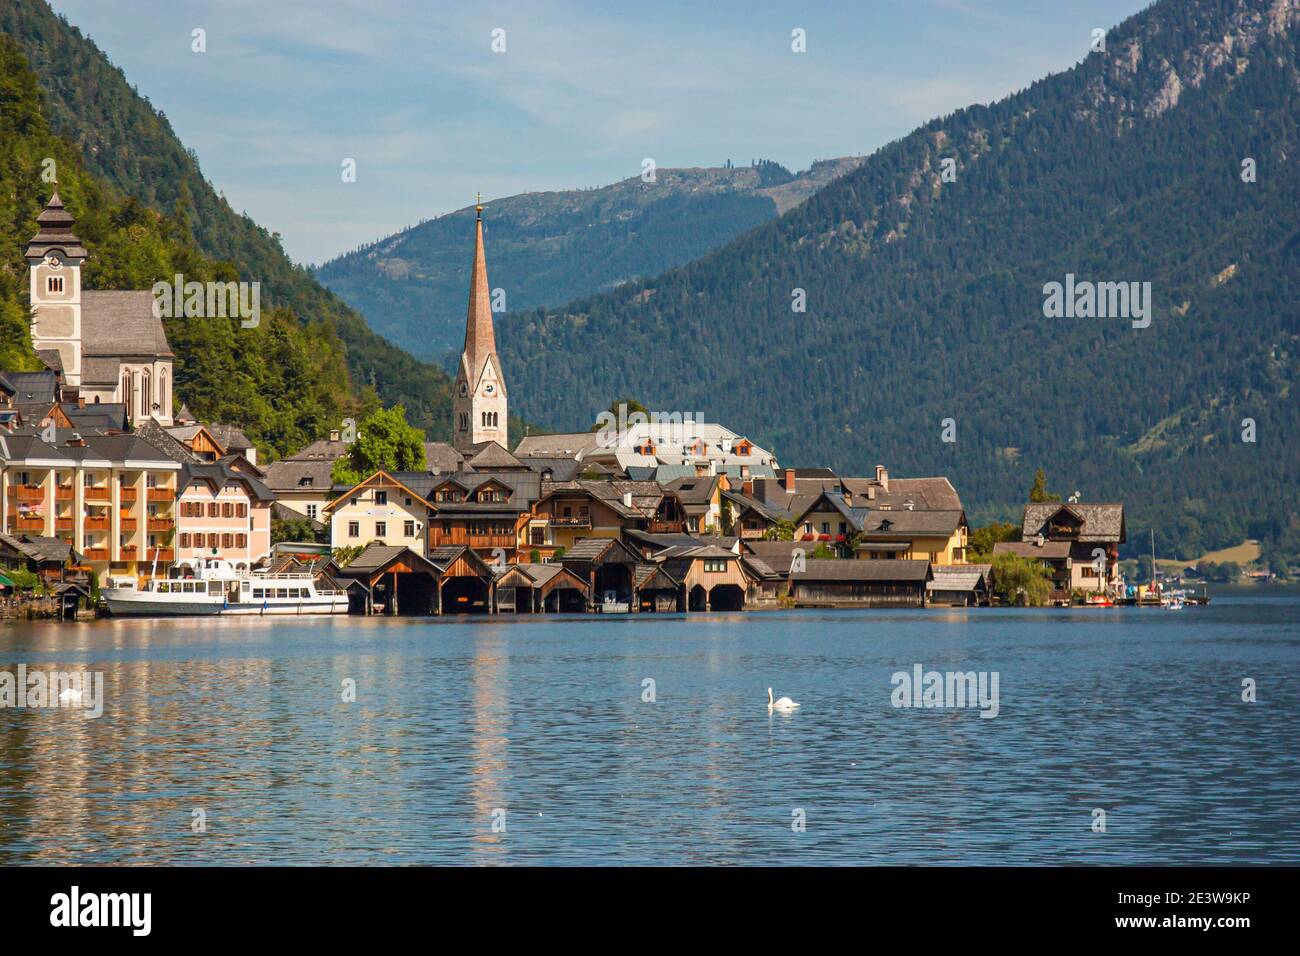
(109, 347)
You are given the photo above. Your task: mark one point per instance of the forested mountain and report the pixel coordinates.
(129, 152)
(550, 248)
(926, 298)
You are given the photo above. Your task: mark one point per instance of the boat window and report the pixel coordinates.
(214, 587)
(281, 592)
(243, 585)
(259, 593)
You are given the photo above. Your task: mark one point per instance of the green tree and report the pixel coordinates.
(1020, 581)
(632, 406)
(783, 530)
(1039, 492)
(293, 529)
(385, 442)
(346, 555)
(983, 539)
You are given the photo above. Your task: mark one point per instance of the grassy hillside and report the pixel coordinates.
(925, 297)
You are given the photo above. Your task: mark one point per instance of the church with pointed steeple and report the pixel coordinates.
(479, 402)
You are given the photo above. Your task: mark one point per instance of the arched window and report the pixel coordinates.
(164, 396)
(146, 394)
(128, 389)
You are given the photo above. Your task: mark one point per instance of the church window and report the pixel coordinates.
(55, 284)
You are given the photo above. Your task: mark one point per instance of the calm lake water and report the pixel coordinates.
(1134, 711)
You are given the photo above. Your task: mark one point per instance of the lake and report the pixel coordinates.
(539, 741)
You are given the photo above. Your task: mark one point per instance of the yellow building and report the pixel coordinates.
(112, 497)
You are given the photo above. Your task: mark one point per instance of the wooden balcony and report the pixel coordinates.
(439, 538)
(63, 524)
(159, 554)
(582, 521)
(97, 493)
(27, 492)
(160, 494)
(95, 554)
(29, 524)
(127, 524)
(664, 527)
(126, 495)
(64, 492)
(160, 524)
(95, 524)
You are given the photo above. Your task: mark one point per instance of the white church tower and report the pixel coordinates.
(54, 258)
(479, 403)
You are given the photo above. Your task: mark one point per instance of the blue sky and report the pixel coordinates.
(582, 94)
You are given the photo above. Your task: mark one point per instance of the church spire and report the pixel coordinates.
(479, 404)
(480, 340)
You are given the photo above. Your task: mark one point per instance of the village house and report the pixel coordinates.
(302, 482)
(486, 511)
(222, 513)
(938, 536)
(382, 509)
(570, 510)
(112, 497)
(1084, 540)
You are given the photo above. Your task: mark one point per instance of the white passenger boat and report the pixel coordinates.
(217, 588)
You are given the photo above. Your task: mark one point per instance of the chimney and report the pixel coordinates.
(871, 492)
(789, 480)
(627, 499)
(713, 467)
(335, 435)
(76, 441)
(909, 504)
(747, 487)
(882, 477)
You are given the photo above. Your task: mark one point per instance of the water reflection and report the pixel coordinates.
(1134, 712)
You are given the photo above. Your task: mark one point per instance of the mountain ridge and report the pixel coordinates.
(925, 297)
(550, 247)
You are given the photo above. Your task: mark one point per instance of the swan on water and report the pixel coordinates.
(784, 704)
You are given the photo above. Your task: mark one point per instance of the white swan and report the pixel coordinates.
(785, 704)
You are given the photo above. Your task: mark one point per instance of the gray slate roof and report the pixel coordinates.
(1102, 522)
(959, 577)
(122, 324)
